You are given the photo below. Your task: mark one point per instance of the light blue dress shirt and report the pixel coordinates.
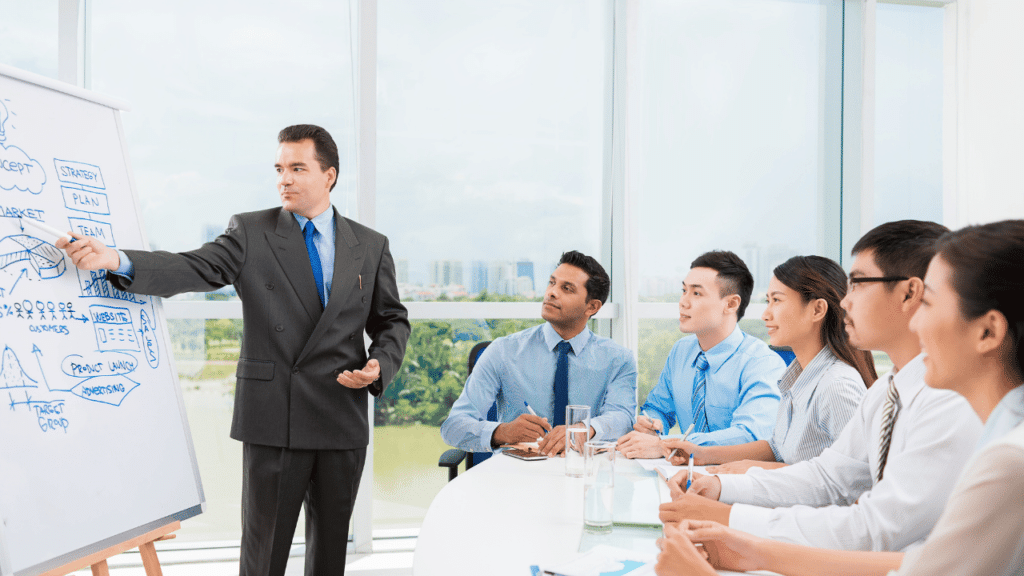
(816, 404)
(521, 367)
(742, 398)
(324, 242)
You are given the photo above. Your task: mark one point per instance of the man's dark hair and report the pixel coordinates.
(598, 284)
(733, 275)
(326, 149)
(902, 248)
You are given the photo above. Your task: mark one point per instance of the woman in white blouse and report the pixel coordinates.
(822, 386)
(971, 326)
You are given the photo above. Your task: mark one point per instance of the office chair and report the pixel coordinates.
(452, 458)
(785, 352)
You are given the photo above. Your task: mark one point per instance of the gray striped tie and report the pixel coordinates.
(889, 415)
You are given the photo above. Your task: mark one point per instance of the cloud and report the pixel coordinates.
(18, 171)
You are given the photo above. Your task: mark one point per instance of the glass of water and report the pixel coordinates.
(577, 432)
(598, 486)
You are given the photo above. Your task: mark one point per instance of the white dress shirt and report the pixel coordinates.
(833, 501)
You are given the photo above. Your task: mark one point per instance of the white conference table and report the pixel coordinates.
(505, 515)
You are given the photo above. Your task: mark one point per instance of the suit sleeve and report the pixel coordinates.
(387, 324)
(212, 266)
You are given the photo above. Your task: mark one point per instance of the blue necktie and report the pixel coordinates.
(314, 260)
(700, 379)
(561, 382)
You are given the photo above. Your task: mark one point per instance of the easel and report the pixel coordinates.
(144, 543)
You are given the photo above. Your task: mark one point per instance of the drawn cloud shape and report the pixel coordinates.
(18, 171)
(4, 116)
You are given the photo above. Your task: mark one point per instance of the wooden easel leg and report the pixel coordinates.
(149, 560)
(100, 569)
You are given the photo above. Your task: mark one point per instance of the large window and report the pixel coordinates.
(490, 132)
(733, 145)
(908, 113)
(28, 36)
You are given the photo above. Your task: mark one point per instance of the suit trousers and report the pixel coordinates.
(275, 483)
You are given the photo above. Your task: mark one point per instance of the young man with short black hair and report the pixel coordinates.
(722, 380)
(522, 369)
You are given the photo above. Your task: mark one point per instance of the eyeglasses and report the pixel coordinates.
(851, 283)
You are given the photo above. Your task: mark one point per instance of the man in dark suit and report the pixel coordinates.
(310, 282)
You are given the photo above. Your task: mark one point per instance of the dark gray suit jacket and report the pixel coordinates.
(286, 394)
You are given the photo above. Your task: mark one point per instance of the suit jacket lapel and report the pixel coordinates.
(348, 261)
(290, 250)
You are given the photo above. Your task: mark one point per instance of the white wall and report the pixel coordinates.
(991, 121)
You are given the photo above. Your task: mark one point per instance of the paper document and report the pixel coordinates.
(603, 561)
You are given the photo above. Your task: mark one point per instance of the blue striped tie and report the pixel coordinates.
(314, 259)
(700, 414)
(561, 382)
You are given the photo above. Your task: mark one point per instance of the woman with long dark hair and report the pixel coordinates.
(971, 327)
(822, 386)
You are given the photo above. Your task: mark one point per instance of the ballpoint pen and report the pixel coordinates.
(689, 474)
(528, 407)
(685, 436)
(660, 432)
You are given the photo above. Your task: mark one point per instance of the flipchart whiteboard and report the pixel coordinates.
(94, 443)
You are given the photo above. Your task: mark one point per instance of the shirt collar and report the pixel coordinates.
(910, 379)
(801, 380)
(721, 352)
(322, 222)
(578, 342)
(1005, 417)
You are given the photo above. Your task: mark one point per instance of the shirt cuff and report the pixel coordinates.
(750, 519)
(485, 437)
(697, 438)
(126, 268)
(734, 486)
(599, 431)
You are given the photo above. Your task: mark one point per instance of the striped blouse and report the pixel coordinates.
(816, 404)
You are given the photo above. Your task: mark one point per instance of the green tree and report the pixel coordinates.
(434, 371)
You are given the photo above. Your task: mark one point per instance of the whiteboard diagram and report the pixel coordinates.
(94, 443)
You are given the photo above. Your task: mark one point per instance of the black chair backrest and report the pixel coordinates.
(474, 355)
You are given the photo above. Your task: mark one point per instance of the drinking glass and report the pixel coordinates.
(577, 432)
(598, 486)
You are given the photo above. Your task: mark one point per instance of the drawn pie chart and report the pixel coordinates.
(46, 259)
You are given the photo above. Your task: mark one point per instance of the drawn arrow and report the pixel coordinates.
(39, 359)
(24, 272)
(1, 292)
(83, 319)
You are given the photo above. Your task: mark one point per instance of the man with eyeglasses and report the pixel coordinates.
(883, 483)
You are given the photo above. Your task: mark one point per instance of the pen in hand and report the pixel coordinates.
(659, 432)
(689, 474)
(532, 413)
(685, 436)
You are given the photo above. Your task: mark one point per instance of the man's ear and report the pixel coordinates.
(332, 177)
(912, 294)
(732, 304)
(593, 307)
